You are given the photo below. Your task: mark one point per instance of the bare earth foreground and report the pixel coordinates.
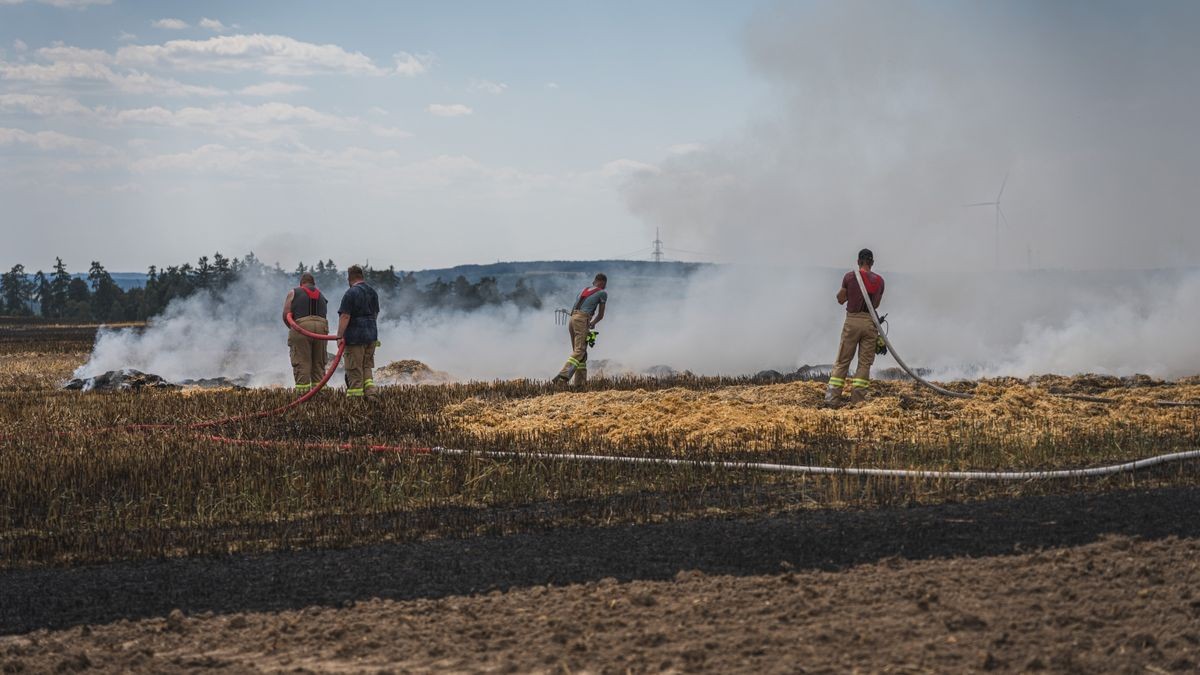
(1080, 583)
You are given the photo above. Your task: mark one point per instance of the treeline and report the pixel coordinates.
(97, 297)
(403, 295)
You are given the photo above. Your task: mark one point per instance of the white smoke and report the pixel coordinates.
(238, 332)
(882, 119)
(732, 320)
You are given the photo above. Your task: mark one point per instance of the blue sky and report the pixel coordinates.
(417, 134)
(430, 134)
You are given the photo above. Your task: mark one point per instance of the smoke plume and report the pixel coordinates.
(882, 121)
(732, 320)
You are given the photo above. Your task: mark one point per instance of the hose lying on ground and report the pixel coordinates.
(958, 394)
(233, 418)
(262, 413)
(796, 469)
(833, 470)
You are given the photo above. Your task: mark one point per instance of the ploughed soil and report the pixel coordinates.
(1075, 583)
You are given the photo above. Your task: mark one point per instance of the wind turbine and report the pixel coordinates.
(999, 215)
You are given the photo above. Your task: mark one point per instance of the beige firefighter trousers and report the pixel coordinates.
(577, 363)
(858, 334)
(308, 355)
(360, 362)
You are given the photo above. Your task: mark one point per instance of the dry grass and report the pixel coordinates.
(79, 496)
(37, 371)
(754, 416)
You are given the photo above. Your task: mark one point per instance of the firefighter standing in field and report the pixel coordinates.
(358, 331)
(858, 333)
(309, 310)
(581, 323)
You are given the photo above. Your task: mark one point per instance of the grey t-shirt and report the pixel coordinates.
(589, 304)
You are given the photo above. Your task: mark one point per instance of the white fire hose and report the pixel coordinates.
(833, 470)
(956, 394)
(892, 350)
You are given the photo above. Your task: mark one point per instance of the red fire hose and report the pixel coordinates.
(262, 413)
(337, 358)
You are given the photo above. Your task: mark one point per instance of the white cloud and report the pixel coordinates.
(212, 158)
(376, 110)
(60, 52)
(381, 170)
(488, 86)
(51, 140)
(261, 123)
(449, 109)
(126, 69)
(272, 89)
(43, 106)
(214, 25)
(126, 36)
(170, 24)
(135, 82)
(56, 72)
(410, 65)
(389, 132)
(19, 45)
(684, 148)
(552, 85)
(624, 167)
(273, 54)
(266, 122)
(71, 63)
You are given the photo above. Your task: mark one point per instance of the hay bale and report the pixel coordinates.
(410, 371)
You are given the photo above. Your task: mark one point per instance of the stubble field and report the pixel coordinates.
(112, 530)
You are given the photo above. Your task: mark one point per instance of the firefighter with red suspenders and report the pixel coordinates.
(858, 332)
(309, 309)
(581, 323)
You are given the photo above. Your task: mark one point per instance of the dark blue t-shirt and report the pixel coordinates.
(362, 304)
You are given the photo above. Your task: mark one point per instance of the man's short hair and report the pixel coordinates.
(307, 278)
(601, 277)
(354, 272)
(865, 256)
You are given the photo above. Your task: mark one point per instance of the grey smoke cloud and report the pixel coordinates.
(884, 118)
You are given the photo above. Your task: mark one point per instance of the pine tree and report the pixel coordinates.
(222, 271)
(204, 272)
(60, 284)
(41, 291)
(16, 291)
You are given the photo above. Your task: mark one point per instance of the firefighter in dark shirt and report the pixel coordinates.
(358, 331)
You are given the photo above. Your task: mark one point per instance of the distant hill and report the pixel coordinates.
(126, 280)
(548, 275)
(540, 274)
